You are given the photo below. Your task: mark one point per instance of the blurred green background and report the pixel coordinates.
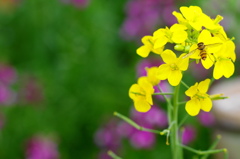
(84, 68)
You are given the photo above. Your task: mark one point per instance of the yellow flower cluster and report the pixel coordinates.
(198, 37)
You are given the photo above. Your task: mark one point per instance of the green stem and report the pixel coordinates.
(185, 84)
(176, 149)
(183, 120)
(207, 152)
(129, 121)
(213, 146)
(163, 93)
(169, 105)
(113, 155)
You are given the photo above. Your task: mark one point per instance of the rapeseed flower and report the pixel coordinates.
(173, 67)
(200, 100)
(151, 75)
(141, 94)
(176, 34)
(147, 47)
(212, 45)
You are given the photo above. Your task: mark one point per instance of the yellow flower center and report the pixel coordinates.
(174, 67)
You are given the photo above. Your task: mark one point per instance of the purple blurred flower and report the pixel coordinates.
(143, 16)
(107, 136)
(155, 117)
(206, 118)
(142, 139)
(165, 87)
(147, 63)
(188, 134)
(40, 147)
(8, 74)
(124, 129)
(7, 96)
(201, 72)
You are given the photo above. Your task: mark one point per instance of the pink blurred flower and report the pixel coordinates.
(8, 74)
(206, 118)
(147, 63)
(188, 134)
(107, 136)
(155, 117)
(143, 16)
(7, 96)
(40, 147)
(124, 129)
(142, 139)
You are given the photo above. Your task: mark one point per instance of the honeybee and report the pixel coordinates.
(202, 50)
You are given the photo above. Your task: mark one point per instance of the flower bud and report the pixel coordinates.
(179, 47)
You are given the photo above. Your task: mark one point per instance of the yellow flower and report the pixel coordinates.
(141, 94)
(213, 44)
(176, 34)
(224, 61)
(173, 67)
(200, 100)
(224, 57)
(148, 43)
(194, 17)
(151, 75)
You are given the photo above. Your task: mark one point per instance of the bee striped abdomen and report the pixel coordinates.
(203, 54)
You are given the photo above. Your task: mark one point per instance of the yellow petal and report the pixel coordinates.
(192, 90)
(217, 71)
(187, 13)
(183, 63)
(179, 17)
(204, 35)
(177, 27)
(147, 40)
(208, 62)
(193, 107)
(163, 72)
(179, 36)
(151, 74)
(160, 42)
(175, 77)
(206, 104)
(135, 91)
(169, 56)
(143, 51)
(146, 85)
(203, 86)
(228, 68)
(142, 106)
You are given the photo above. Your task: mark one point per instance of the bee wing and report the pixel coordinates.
(189, 54)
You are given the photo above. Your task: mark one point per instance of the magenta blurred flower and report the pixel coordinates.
(155, 117)
(8, 74)
(107, 136)
(147, 63)
(7, 96)
(188, 134)
(143, 16)
(40, 147)
(104, 155)
(199, 71)
(165, 87)
(206, 118)
(124, 129)
(142, 139)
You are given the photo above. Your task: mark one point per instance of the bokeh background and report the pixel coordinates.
(67, 65)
